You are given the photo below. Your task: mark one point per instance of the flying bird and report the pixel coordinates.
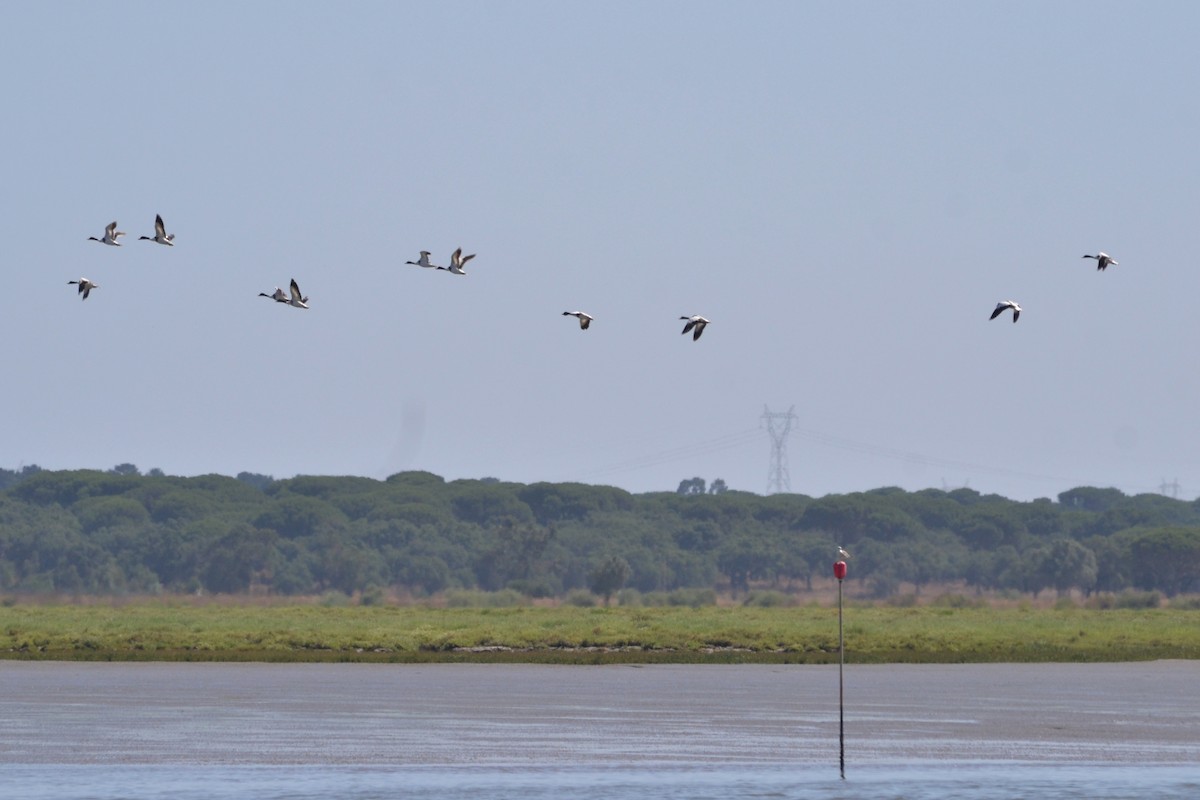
(842, 552)
(1002, 307)
(85, 287)
(584, 319)
(423, 261)
(279, 296)
(697, 322)
(160, 233)
(1103, 260)
(110, 235)
(296, 299)
(457, 261)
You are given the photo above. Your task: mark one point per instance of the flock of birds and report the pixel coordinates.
(457, 260)
(695, 323)
(1103, 262)
(296, 299)
(110, 237)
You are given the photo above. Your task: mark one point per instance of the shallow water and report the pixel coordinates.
(106, 731)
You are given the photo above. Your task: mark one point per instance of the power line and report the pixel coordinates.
(779, 477)
(851, 445)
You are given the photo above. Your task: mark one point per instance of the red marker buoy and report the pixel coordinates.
(839, 572)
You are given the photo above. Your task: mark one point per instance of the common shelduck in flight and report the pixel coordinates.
(85, 287)
(111, 234)
(1002, 307)
(584, 319)
(423, 261)
(160, 233)
(296, 299)
(697, 323)
(1103, 260)
(458, 261)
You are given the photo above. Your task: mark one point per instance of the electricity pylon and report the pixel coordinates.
(778, 426)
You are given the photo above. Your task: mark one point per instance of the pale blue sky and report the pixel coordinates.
(845, 189)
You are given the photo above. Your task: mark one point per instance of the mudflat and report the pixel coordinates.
(595, 716)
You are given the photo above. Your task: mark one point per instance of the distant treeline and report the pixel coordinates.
(119, 531)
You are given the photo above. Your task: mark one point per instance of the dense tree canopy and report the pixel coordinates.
(91, 531)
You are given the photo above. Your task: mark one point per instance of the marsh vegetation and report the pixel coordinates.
(224, 631)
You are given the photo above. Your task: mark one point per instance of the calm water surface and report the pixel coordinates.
(109, 731)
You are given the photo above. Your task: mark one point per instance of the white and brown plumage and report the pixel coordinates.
(111, 234)
(160, 233)
(1103, 260)
(279, 295)
(423, 261)
(695, 323)
(297, 299)
(85, 287)
(457, 262)
(584, 319)
(1004, 306)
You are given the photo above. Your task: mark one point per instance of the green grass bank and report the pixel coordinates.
(177, 631)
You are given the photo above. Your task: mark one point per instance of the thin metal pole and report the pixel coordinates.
(841, 688)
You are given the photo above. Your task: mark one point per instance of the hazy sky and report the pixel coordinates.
(844, 189)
